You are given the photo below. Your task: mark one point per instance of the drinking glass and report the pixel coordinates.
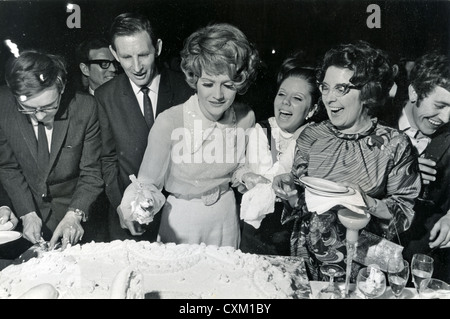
(421, 268)
(331, 291)
(433, 288)
(371, 282)
(398, 274)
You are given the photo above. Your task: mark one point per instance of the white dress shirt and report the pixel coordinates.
(419, 141)
(153, 93)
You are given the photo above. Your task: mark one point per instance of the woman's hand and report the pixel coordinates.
(251, 179)
(6, 215)
(370, 202)
(427, 171)
(134, 227)
(284, 188)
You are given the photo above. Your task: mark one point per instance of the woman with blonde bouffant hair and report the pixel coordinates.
(199, 143)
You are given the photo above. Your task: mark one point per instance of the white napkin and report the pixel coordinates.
(321, 204)
(257, 203)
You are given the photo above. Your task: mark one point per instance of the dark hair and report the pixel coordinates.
(129, 23)
(83, 49)
(372, 71)
(34, 71)
(220, 49)
(294, 66)
(429, 71)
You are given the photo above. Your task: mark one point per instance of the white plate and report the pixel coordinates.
(7, 236)
(323, 185)
(350, 191)
(6, 226)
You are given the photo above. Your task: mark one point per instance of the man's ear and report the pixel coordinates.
(158, 47)
(114, 53)
(412, 94)
(84, 69)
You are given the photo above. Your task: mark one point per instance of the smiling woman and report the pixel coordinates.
(270, 151)
(353, 149)
(219, 63)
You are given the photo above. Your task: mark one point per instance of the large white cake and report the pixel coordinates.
(131, 269)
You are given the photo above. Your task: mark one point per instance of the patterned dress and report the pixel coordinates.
(380, 160)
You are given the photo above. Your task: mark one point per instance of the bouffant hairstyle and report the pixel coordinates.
(294, 66)
(372, 71)
(220, 49)
(429, 71)
(34, 71)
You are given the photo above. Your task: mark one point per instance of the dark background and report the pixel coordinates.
(408, 28)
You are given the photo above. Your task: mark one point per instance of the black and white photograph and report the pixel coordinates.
(238, 152)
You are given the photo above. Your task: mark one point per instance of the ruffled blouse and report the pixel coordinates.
(259, 155)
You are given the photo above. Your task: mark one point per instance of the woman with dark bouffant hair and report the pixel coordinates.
(270, 151)
(198, 145)
(375, 164)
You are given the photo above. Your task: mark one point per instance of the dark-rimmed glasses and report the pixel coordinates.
(338, 91)
(31, 110)
(104, 64)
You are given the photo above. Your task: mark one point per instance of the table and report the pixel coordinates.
(316, 286)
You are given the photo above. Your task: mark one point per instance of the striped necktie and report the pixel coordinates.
(148, 109)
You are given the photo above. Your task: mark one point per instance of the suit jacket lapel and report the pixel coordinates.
(164, 92)
(130, 105)
(60, 126)
(26, 128)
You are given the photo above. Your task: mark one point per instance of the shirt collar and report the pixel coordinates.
(405, 126)
(36, 123)
(403, 123)
(154, 85)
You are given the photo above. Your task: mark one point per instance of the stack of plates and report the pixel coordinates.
(323, 187)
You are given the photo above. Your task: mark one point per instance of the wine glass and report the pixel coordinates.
(371, 281)
(421, 268)
(398, 274)
(331, 291)
(433, 288)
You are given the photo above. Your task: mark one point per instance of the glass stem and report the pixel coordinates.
(331, 282)
(350, 252)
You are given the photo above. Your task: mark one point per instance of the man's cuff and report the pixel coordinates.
(79, 213)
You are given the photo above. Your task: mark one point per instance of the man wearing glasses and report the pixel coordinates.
(128, 105)
(49, 149)
(96, 62)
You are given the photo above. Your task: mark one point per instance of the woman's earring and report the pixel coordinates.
(312, 112)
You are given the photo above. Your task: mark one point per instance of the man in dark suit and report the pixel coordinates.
(50, 148)
(425, 119)
(128, 105)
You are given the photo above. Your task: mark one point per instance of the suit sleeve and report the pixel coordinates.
(108, 157)
(90, 183)
(13, 180)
